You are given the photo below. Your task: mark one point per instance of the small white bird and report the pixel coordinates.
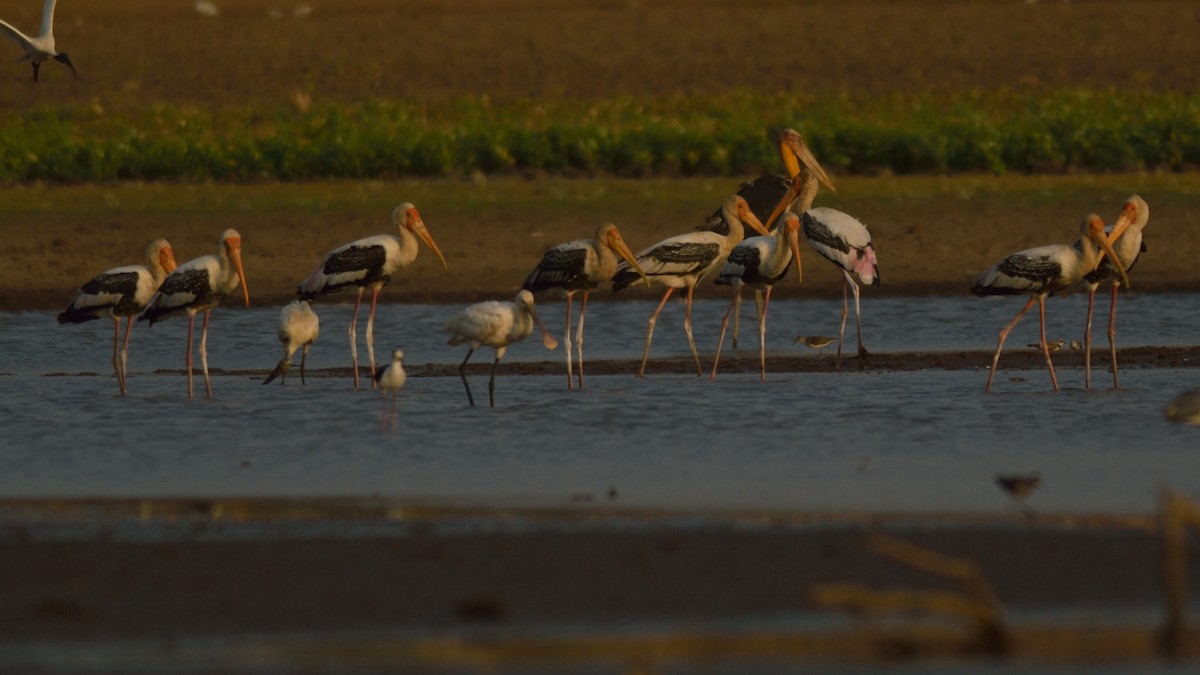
(369, 263)
(298, 329)
(391, 378)
(41, 48)
(121, 291)
(497, 325)
(197, 286)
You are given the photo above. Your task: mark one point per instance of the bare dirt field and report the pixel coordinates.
(932, 235)
(266, 50)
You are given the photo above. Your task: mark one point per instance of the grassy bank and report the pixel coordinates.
(991, 132)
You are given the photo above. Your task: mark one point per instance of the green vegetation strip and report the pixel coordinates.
(990, 132)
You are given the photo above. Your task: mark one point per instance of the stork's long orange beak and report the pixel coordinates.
(617, 243)
(233, 247)
(1096, 234)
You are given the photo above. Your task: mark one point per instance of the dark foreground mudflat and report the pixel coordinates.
(379, 584)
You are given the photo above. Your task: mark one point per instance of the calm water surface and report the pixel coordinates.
(857, 440)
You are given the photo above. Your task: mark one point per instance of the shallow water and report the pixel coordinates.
(854, 440)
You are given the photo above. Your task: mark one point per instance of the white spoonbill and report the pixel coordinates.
(682, 261)
(759, 262)
(580, 265)
(391, 378)
(1128, 248)
(196, 286)
(369, 263)
(41, 48)
(121, 291)
(1040, 271)
(298, 329)
(497, 325)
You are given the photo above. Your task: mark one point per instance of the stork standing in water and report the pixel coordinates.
(497, 325)
(760, 262)
(1040, 271)
(121, 292)
(391, 378)
(1127, 247)
(580, 265)
(682, 261)
(41, 48)
(298, 329)
(799, 186)
(196, 286)
(369, 263)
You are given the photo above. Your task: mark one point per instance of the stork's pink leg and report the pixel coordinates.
(1000, 342)
(354, 334)
(1112, 333)
(567, 341)
(762, 333)
(579, 336)
(188, 359)
(733, 307)
(845, 310)
(116, 361)
(862, 350)
(1087, 339)
(650, 331)
(371, 333)
(1045, 347)
(687, 328)
(737, 310)
(125, 354)
(204, 353)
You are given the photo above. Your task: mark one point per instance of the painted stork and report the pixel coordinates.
(196, 286)
(842, 240)
(1128, 248)
(298, 329)
(580, 265)
(682, 261)
(763, 194)
(1040, 271)
(121, 292)
(41, 48)
(391, 378)
(497, 325)
(369, 263)
(759, 262)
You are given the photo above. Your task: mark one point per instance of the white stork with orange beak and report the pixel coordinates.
(121, 291)
(1038, 272)
(197, 286)
(369, 263)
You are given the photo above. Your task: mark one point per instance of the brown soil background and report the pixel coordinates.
(932, 234)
